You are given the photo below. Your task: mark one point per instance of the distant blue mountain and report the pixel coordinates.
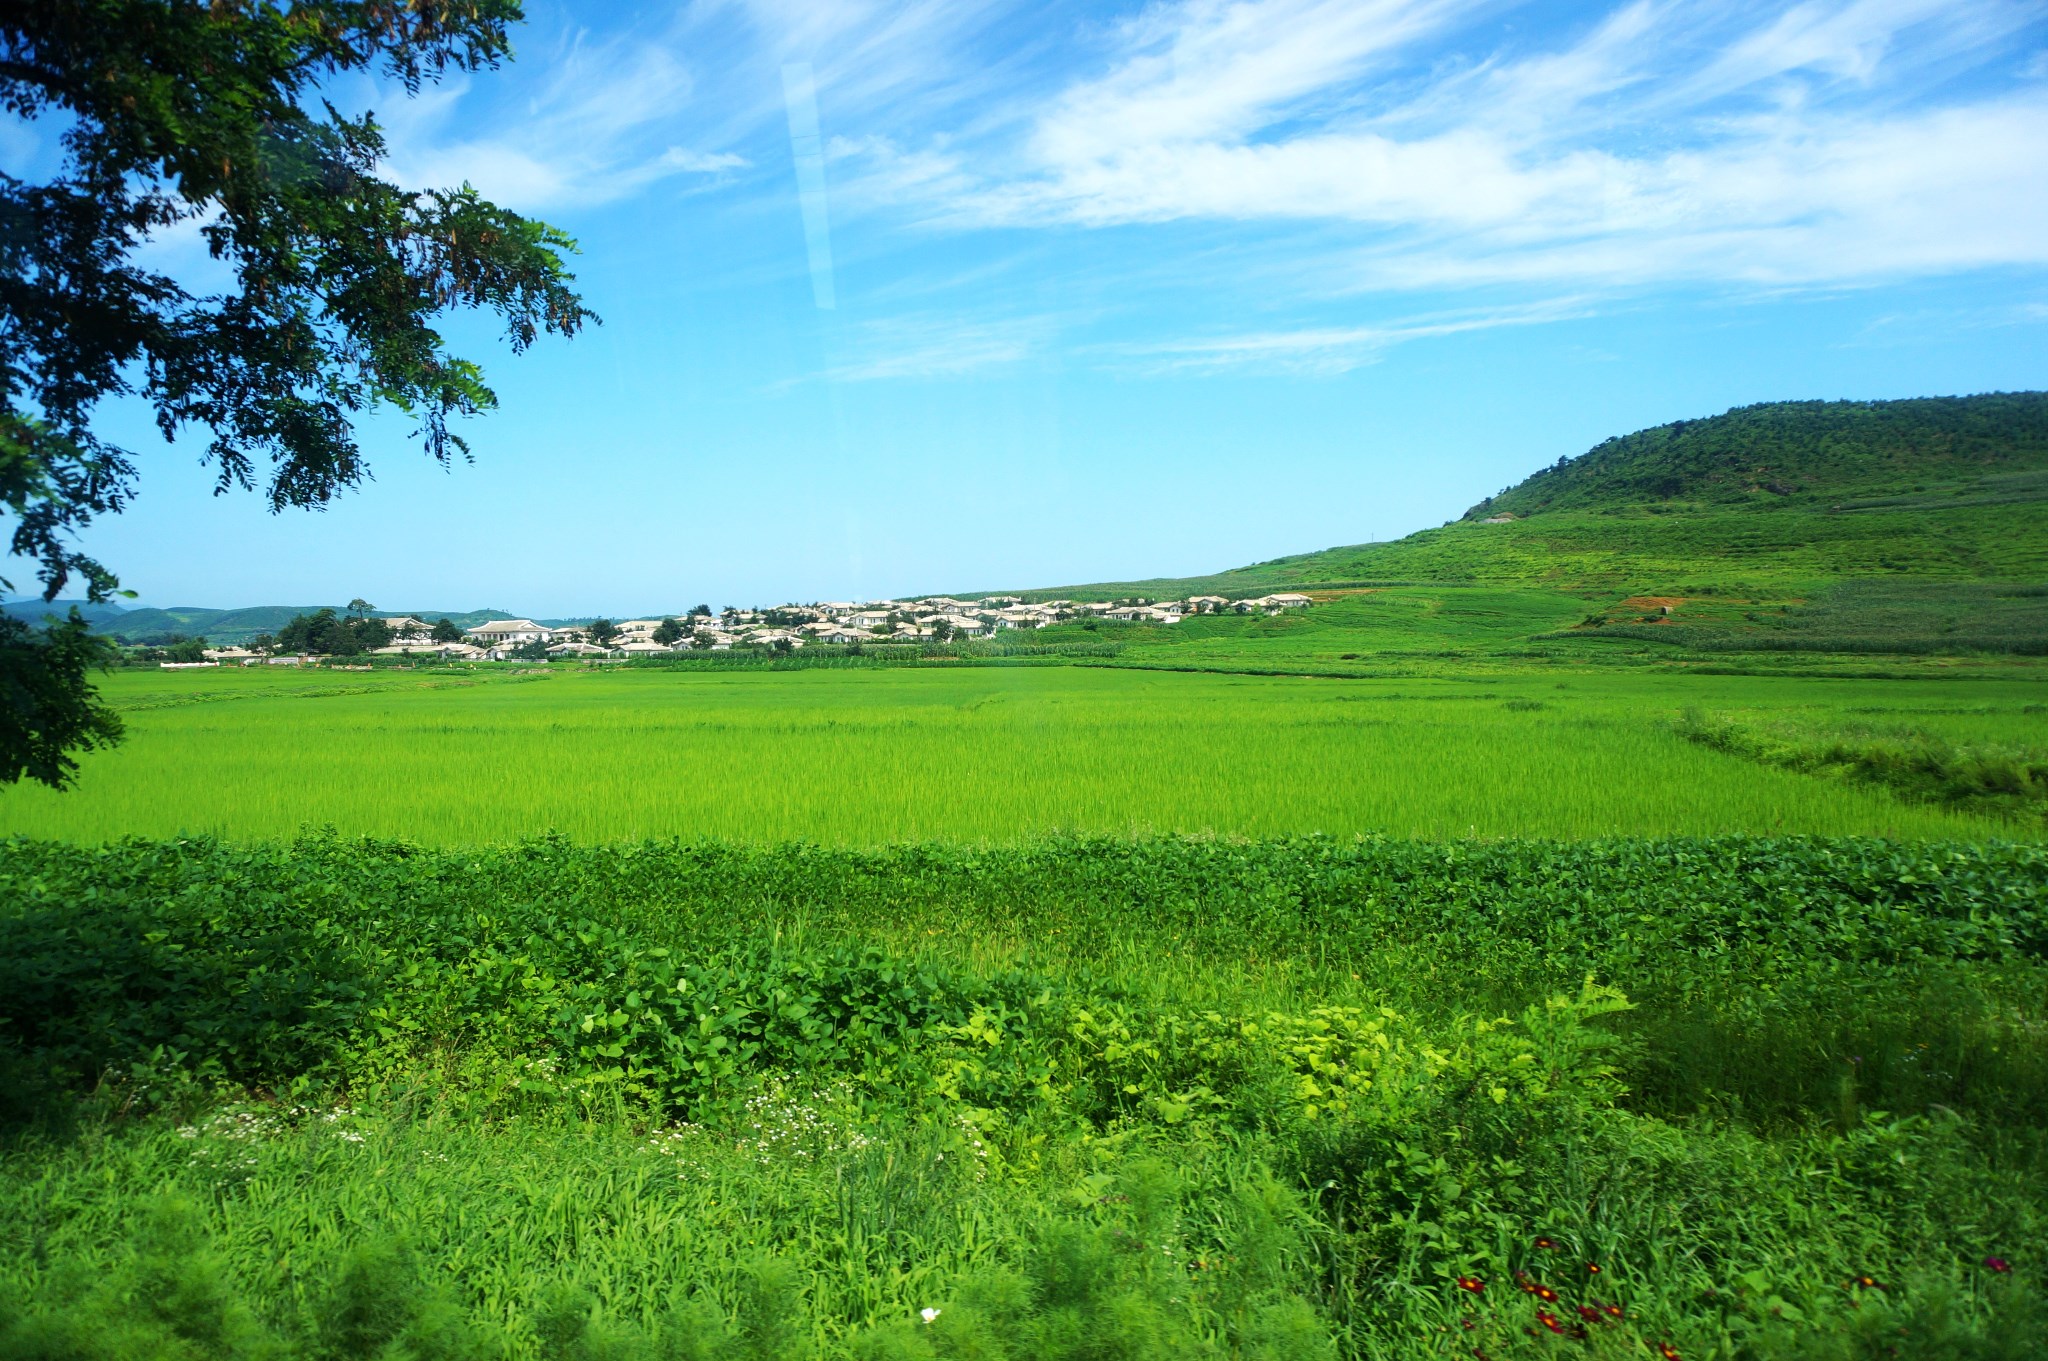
(34, 610)
(216, 626)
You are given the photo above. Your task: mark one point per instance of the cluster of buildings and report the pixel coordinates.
(933, 619)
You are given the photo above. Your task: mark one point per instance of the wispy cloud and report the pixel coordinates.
(937, 345)
(1820, 142)
(1324, 350)
(1289, 159)
(596, 127)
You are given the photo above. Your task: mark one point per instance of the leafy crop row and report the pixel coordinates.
(1097, 1098)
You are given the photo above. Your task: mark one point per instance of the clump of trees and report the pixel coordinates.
(175, 648)
(328, 634)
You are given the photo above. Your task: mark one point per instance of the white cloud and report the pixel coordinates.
(1817, 143)
(1325, 350)
(1223, 69)
(596, 128)
(934, 345)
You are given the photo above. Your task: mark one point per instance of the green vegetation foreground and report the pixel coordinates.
(1098, 1099)
(851, 757)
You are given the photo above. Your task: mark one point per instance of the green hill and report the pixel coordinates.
(1773, 498)
(1928, 451)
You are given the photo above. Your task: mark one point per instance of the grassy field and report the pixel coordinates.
(853, 757)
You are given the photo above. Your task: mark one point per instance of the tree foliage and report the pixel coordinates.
(172, 114)
(47, 708)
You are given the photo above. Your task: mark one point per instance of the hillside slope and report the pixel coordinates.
(1779, 496)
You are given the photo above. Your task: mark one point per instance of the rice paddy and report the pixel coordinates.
(989, 754)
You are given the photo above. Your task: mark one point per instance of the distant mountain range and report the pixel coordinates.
(217, 626)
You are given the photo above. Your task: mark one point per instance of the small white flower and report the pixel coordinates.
(928, 1314)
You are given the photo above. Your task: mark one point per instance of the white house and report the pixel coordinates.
(511, 633)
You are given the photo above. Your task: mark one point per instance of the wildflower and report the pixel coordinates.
(1612, 1310)
(1666, 1351)
(928, 1314)
(1549, 1320)
(1471, 1284)
(1592, 1268)
(1998, 1264)
(1525, 1282)
(1547, 1244)
(1867, 1283)
(1544, 1293)
(1468, 1323)
(1589, 1313)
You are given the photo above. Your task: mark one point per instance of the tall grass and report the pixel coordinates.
(2003, 778)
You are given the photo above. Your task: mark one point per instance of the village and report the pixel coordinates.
(778, 628)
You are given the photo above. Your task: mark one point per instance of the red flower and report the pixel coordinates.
(1867, 1283)
(1547, 1244)
(1998, 1264)
(1468, 1323)
(1589, 1313)
(1471, 1283)
(1667, 1351)
(1549, 1320)
(1592, 1268)
(1612, 1310)
(1544, 1293)
(1526, 1282)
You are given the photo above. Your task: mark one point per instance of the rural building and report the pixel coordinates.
(511, 633)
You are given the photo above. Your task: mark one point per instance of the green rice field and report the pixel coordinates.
(988, 754)
(1500, 1009)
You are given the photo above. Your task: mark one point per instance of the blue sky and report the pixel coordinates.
(944, 296)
